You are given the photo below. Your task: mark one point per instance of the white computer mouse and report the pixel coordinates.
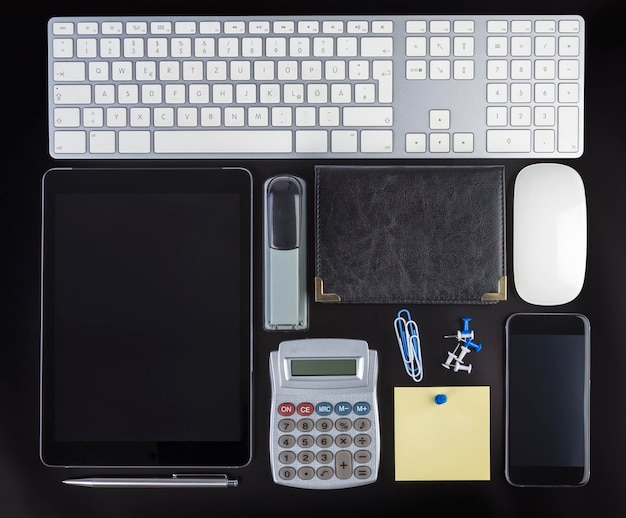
(549, 234)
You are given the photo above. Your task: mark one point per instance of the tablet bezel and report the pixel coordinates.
(148, 453)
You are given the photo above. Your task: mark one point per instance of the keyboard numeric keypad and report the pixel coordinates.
(548, 99)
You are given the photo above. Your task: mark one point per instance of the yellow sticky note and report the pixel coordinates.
(450, 441)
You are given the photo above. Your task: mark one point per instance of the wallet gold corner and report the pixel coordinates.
(320, 296)
(500, 295)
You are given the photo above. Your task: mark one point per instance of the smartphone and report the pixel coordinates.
(547, 399)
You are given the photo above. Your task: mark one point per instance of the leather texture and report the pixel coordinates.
(410, 234)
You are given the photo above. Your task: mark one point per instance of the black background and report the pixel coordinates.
(28, 489)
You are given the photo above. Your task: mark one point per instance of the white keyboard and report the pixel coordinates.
(310, 87)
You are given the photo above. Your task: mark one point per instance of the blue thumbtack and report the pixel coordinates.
(466, 327)
(440, 399)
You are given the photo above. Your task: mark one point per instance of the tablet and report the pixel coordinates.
(146, 349)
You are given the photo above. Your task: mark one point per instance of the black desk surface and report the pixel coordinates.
(28, 489)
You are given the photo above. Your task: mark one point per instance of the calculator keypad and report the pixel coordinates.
(325, 445)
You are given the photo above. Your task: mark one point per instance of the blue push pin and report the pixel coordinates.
(440, 399)
(465, 349)
(475, 346)
(466, 322)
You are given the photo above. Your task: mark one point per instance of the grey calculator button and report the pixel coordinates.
(324, 441)
(362, 472)
(362, 456)
(324, 456)
(324, 425)
(306, 473)
(362, 424)
(287, 457)
(306, 441)
(343, 440)
(305, 425)
(286, 425)
(325, 472)
(287, 441)
(343, 464)
(363, 440)
(306, 457)
(343, 424)
(287, 473)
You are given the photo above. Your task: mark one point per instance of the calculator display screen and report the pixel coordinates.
(324, 367)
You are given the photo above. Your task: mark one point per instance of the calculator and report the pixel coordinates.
(324, 424)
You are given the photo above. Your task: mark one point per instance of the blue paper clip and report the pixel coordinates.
(408, 338)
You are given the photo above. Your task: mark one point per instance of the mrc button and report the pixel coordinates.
(324, 408)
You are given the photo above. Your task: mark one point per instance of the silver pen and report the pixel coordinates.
(175, 481)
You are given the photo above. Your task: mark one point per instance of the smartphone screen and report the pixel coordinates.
(547, 384)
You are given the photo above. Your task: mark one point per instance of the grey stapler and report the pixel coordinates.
(286, 303)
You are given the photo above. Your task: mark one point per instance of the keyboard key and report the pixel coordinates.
(314, 141)
(236, 141)
(463, 142)
(70, 142)
(521, 26)
(382, 27)
(59, 28)
(367, 116)
(67, 117)
(415, 143)
(439, 119)
(495, 26)
(568, 129)
(548, 26)
(568, 46)
(63, 48)
(72, 94)
(508, 141)
(464, 26)
(544, 141)
(344, 141)
(376, 47)
(87, 28)
(138, 28)
(373, 141)
(68, 71)
(569, 26)
(439, 142)
(416, 27)
(186, 27)
(112, 28)
(440, 26)
(102, 142)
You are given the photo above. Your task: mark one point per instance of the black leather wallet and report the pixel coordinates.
(410, 234)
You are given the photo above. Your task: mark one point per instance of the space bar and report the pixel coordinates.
(223, 141)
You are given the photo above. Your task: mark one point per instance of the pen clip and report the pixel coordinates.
(217, 476)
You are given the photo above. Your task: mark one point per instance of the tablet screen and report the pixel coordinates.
(146, 321)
